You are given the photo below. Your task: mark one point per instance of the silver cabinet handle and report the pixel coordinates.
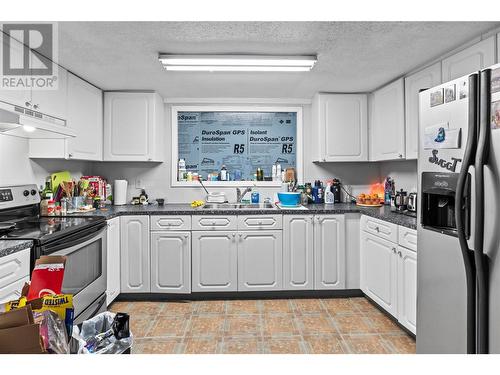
(240, 235)
(27, 104)
(186, 236)
(400, 254)
(400, 156)
(377, 229)
(213, 222)
(312, 220)
(36, 106)
(70, 156)
(394, 250)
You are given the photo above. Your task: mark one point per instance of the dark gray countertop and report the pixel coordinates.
(383, 213)
(8, 247)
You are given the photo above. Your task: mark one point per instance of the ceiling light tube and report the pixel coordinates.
(233, 63)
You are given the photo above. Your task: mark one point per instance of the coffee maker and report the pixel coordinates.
(336, 188)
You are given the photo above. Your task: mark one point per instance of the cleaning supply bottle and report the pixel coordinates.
(329, 196)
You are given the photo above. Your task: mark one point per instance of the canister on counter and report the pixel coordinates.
(255, 197)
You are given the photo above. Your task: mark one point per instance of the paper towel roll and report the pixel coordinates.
(120, 192)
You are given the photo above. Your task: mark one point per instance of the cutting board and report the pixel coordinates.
(57, 178)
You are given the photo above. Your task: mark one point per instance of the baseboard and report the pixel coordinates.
(200, 296)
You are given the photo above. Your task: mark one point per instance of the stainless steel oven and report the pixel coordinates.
(85, 270)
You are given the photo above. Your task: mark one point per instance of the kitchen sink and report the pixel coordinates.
(239, 206)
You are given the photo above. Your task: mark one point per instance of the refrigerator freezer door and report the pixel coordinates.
(441, 295)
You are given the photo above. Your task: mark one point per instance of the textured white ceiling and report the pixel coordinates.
(352, 56)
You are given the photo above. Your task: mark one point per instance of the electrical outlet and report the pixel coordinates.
(138, 183)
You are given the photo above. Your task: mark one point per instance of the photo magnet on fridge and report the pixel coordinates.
(449, 94)
(437, 97)
(462, 91)
(495, 115)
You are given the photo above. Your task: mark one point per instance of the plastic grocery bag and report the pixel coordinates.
(102, 327)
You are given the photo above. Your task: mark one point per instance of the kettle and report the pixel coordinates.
(401, 200)
(412, 202)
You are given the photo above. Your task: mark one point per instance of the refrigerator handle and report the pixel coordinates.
(461, 205)
(480, 160)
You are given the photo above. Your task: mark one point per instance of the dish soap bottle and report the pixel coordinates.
(329, 196)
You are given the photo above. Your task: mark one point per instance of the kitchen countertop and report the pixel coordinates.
(8, 247)
(382, 213)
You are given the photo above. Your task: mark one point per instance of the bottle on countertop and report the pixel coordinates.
(273, 172)
(278, 172)
(260, 174)
(329, 196)
(182, 170)
(223, 173)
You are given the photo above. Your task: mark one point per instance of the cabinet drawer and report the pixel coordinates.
(380, 228)
(13, 290)
(407, 238)
(260, 222)
(181, 222)
(14, 267)
(209, 222)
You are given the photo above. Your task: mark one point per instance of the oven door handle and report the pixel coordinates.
(66, 248)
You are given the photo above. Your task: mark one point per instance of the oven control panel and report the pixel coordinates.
(17, 196)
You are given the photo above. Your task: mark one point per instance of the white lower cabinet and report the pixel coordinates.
(298, 252)
(12, 291)
(329, 252)
(214, 261)
(113, 260)
(260, 256)
(171, 262)
(379, 265)
(407, 288)
(135, 254)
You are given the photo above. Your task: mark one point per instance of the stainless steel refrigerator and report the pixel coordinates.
(458, 269)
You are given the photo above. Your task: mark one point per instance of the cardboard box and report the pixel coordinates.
(19, 334)
(47, 276)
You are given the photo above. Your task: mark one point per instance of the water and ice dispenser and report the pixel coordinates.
(438, 202)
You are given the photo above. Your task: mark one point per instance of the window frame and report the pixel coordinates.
(175, 109)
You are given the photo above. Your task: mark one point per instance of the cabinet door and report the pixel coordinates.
(215, 261)
(85, 116)
(298, 252)
(12, 291)
(113, 262)
(135, 261)
(343, 127)
(171, 262)
(387, 126)
(379, 271)
(469, 60)
(260, 260)
(426, 78)
(129, 119)
(407, 288)
(329, 252)
(53, 102)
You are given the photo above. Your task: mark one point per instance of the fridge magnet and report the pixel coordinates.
(436, 97)
(495, 115)
(495, 81)
(440, 136)
(449, 94)
(462, 92)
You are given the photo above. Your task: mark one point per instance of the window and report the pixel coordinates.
(241, 139)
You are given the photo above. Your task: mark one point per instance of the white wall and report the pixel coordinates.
(17, 169)
(404, 173)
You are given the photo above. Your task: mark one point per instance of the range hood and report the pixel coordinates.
(25, 123)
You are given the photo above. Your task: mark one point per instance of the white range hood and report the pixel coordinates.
(25, 123)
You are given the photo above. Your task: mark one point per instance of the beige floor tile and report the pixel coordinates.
(331, 344)
(285, 346)
(348, 324)
(278, 306)
(200, 346)
(308, 306)
(315, 324)
(383, 324)
(145, 308)
(178, 307)
(279, 325)
(242, 326)
(140, 324)
(243, 307)
(168, 326)
(205, 325)
(120, 306)
(241, 346)
(364, 306)
(212, 307)
(155, 346)
(366, 344)
(402, 343)
(339, 306)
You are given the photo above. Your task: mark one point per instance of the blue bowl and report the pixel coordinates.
(289, 199)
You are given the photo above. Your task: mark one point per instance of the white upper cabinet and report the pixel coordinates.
(343, 126)
(133, 126)
(426, 78)
(53, 102)
(85, 116)
(469, 60)
(387, 122)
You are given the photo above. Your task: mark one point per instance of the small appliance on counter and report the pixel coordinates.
(401, 201)
(412, 202)
(336, 190)
(120, 192)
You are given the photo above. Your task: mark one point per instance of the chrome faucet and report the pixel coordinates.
(240, 195)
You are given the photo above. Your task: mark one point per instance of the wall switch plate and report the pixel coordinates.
(138, 184)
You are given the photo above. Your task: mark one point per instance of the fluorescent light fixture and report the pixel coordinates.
(237, 63)
(29, 128)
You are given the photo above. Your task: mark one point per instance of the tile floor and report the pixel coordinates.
(330, 325)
